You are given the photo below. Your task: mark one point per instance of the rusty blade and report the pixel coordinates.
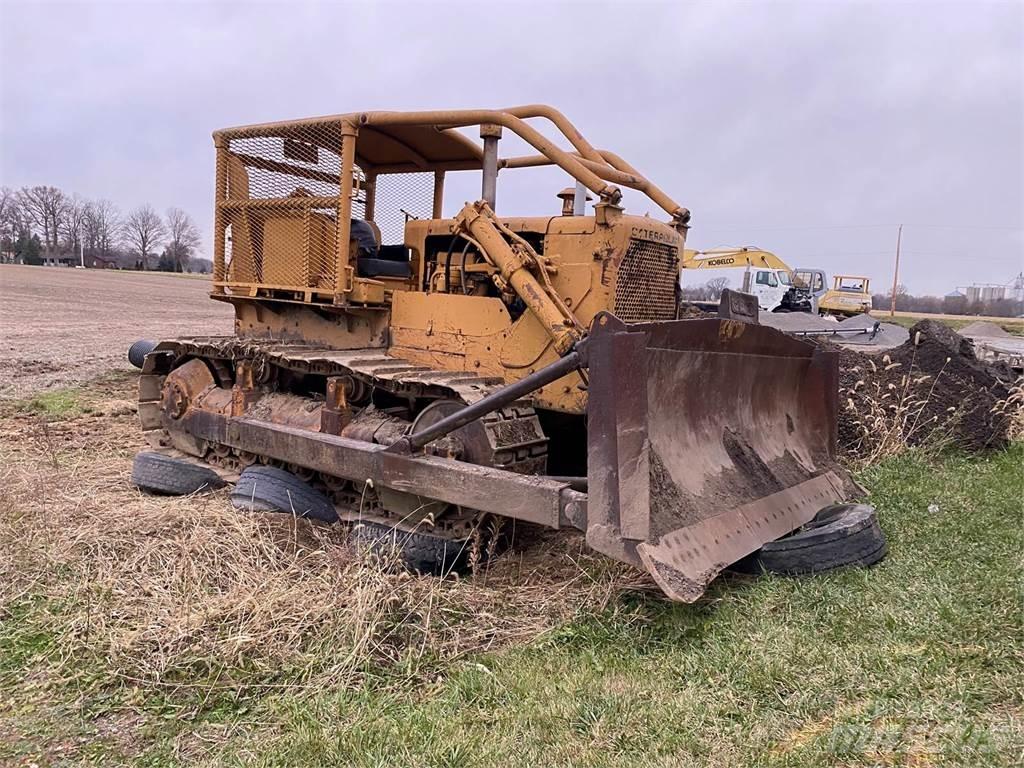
(683, 562)
(707, 438)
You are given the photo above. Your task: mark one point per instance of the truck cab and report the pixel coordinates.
(769, 285)
(809, 287)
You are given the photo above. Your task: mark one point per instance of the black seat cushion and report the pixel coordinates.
(383, 268)
(393, 253)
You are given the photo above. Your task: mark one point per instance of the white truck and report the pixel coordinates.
(764, 275)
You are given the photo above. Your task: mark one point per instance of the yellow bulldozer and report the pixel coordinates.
(415, 373)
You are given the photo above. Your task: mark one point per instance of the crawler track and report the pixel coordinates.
(516, 440)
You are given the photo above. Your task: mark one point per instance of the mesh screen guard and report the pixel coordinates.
(280, 204)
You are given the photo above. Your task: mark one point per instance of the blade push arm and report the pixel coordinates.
(516, 261)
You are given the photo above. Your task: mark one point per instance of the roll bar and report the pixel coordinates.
(598, 170)
(592, 167)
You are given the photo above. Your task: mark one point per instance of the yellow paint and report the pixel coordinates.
(524, 292)
(846, 301)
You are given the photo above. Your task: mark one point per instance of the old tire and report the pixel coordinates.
(170, 476)
(137, 352)
(271, 489)
(419, 552)
(839, 536)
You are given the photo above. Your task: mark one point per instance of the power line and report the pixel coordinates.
(967, 226)
(800, 227)
(775, 228)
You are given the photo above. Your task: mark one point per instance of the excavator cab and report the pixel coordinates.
(424, 370)
(751, 270)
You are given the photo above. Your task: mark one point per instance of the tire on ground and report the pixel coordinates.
(272, 489)
(137, 352)
(840, 535)
(419, 552)
(171, 476)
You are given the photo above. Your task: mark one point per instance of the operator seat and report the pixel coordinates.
(375, 260)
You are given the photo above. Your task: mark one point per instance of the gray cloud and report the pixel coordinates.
(810, 129)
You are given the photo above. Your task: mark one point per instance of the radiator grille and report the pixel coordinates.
(646, 286)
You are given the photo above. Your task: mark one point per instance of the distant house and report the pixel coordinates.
(100, 262)
(76, 260)
(60, 260)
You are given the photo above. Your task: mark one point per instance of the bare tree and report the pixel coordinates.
(716, 286)
(8, 204)
(10, 217)
(46, 207)
(74, 222)
(183, 237)
(144, 231)
(101, 226)
(903, 298)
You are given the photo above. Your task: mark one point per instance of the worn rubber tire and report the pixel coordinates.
(137, 352)
(272, 489)
(418, 552)
(170, 476)
(839, 536)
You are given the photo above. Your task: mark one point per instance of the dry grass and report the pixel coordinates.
(1012, 406)
(179, 590)
(889, 413)
(169, 631)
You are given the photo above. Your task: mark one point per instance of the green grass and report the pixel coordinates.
(917, 661)
(63, 403)
(1013, 327)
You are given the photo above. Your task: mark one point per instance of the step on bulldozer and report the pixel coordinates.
(425, 371)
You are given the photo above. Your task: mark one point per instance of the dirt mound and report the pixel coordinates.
(934, 391)
(885, 336)
(984, 329)
(797, 321)
(863, 320)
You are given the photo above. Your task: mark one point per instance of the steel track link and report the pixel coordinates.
(517, 440)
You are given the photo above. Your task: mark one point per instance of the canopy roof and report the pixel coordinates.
(402, 142)
(415, 146)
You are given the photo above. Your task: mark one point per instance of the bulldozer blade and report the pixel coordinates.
(706, 439)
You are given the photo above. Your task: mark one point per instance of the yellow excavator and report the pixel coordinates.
(777, 286)
(764, 275)
(416, 372)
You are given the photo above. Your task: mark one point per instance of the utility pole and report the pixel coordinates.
(896, 272)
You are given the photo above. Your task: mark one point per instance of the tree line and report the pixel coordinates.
(953, 304)
(43, 224)
(709, 291)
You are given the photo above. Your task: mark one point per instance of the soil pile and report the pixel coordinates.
(934, 391)
(886, 334)
(984, 329)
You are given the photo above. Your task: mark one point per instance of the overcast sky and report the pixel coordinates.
(810, 129)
